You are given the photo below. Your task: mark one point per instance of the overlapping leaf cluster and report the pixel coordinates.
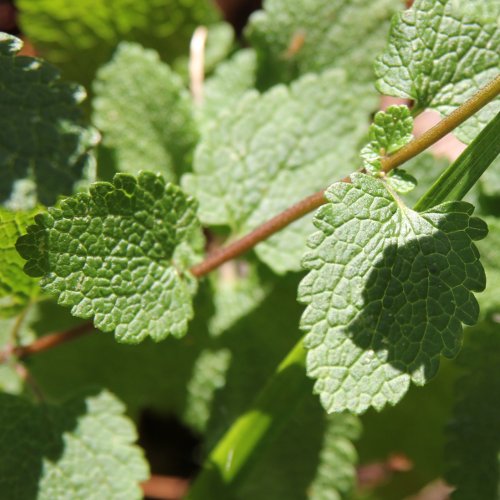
(387, 289)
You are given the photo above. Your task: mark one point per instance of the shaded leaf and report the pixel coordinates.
(45, 144)
(145, 114)
(387, 292)
(81, 449)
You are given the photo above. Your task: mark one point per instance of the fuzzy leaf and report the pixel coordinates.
(439, 56)
(309, 36)
(16, 287)
(391, 130)
(473, 451)
(231, 79)
(119, 255)
(401, 181)
(274, 149)
(387, 292)
(489, 248)
(81, 449)
(44, 143)
(145, 113)
(238, 288)
(312, 458)
(81, 36)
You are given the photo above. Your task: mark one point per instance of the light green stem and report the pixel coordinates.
(235, 452)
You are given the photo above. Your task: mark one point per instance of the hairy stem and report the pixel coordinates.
(272, 226)
(412, 149)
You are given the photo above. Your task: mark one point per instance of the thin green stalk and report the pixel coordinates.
(236, 451)
(457, 180)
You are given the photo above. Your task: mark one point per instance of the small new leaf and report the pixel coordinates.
(387, 292)
(391, 130)
(45, 145)
(119, 254)
(439, 56)
(82, 449)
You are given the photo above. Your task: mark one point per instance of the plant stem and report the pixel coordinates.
(412, 149)
(233, 455)
(445, 126)
(52, 340)
(259, 234)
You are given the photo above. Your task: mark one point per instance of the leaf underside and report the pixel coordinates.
(274, 149)
(387, 292)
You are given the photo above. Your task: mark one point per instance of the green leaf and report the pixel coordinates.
(439, 57)
(391, 130)
(238, 288)
(387, 292)
(401, 181)
(489, 248)
(16, 287)
(309, 36)
(45, 145)
(144, 112)
(473, 450)
(120, 255)
(81, 449)
(426, 168)
(81, 36)
(224, 89)
(274, 149)
(312, 458)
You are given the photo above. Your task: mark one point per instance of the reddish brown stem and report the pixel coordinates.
(52, 340)
(259, 234)
(165, 487)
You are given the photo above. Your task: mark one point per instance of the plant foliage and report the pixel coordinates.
(175, 205)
